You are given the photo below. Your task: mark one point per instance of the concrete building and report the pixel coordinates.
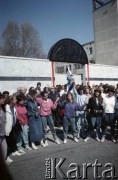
(90, 51)
(105, 16)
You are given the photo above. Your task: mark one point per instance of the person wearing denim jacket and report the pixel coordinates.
(35, 125)
(70, 108)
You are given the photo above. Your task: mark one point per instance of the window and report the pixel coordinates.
(77, 66)
(91, 50)
(60, 69)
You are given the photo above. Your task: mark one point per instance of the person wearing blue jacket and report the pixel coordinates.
(35, 125)
(70, 108)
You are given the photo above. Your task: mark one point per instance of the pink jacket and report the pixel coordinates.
(22, 114)
(46, 106)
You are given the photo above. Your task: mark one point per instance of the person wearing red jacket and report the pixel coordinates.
(22, 120)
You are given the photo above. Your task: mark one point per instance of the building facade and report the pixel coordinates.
(105, 14)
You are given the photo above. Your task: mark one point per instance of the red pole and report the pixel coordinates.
(88, 73)
(53, 78)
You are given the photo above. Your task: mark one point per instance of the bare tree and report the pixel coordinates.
(31, 43)
(22, 41)
(11, 39)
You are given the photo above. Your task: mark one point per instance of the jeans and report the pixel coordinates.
(109, 120)
(66, 123)
(96, 121)
(3, 147)
(117, 124)
(81, 124)
(48, 120)
(22, 136)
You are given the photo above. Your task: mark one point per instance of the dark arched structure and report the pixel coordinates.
(68, 50)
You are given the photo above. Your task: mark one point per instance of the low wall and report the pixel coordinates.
(99, 73)
(17, 72)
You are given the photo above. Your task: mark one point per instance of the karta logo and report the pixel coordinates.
(55, 168)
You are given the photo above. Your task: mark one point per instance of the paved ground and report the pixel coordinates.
(31, 166)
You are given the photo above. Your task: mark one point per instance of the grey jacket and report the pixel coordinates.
(2, 122)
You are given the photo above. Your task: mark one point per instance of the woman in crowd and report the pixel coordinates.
(22, 118)
(70, 108)
(35, 125)
(109, 110)
(81, 122)
(46, 106)
(116, 113)
(95, 109)
(11, 126)
(3, 144)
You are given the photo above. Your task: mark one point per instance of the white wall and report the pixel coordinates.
(15, 67)
(102, 73)
(23, 67)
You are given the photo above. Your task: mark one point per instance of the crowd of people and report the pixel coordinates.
(27, 116)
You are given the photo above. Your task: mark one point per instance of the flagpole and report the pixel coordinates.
(88, 73)
(53, 78)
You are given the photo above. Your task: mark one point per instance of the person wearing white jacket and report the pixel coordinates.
(10, 127)
(109, 111)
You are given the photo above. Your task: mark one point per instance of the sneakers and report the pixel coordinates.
(78, 136)
(114, 140)
(75, 139)
(8, 163)
(21, 151)
(9, 159)
(42, 143)
(34, 147)
(97, 139)
(103, 139)
(16, 153)
(86, 139)
(65, 141)
(57, 141)
(46, 143)
(28, 148)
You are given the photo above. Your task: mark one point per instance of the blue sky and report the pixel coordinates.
(54, 19)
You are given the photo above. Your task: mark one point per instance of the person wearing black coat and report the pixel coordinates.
(95, 109)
